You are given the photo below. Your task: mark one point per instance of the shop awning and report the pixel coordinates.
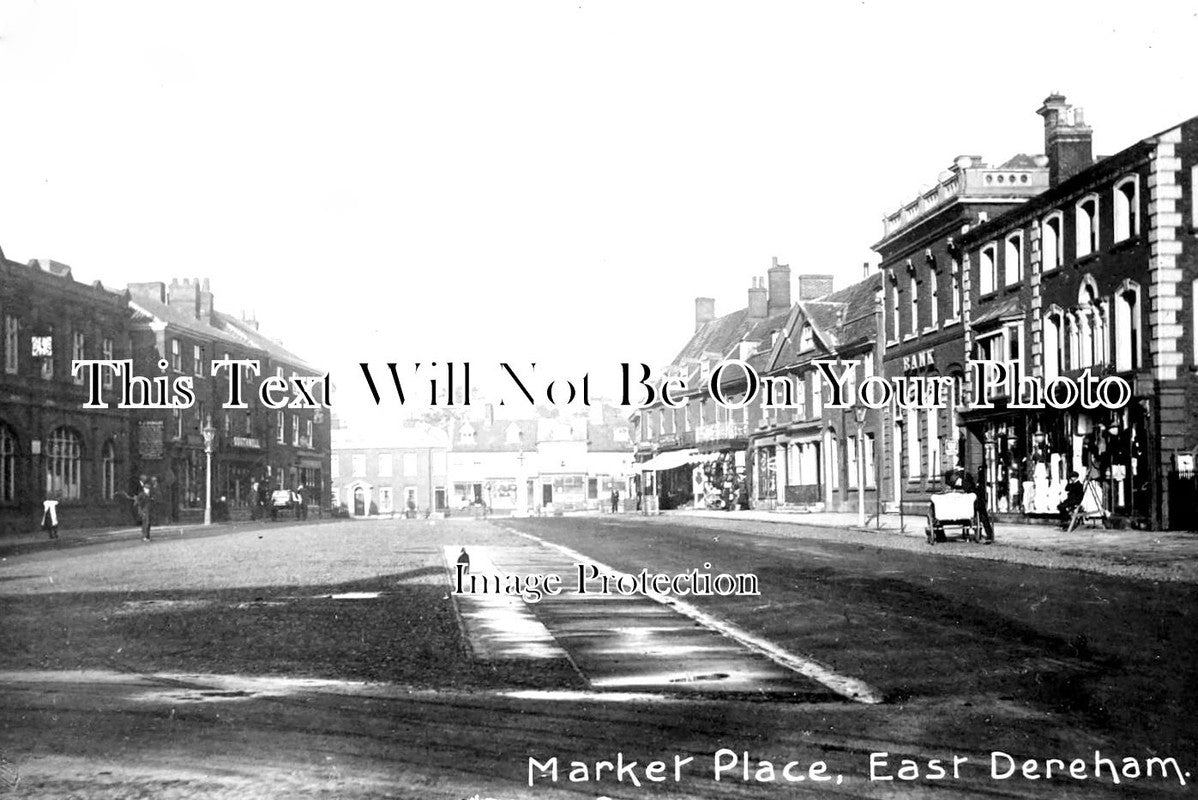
(669, 460)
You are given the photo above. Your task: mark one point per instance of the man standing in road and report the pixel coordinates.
(978, 489)
(615, 499)
(144, 503)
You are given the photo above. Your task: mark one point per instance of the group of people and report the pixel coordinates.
(961, 480)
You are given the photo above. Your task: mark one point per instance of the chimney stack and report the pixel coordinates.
(1068, 141)
(779, 297)
(814, 286)
(704, 311)
(758, 299)
(154, 290)
(184, 297)
(206, 305)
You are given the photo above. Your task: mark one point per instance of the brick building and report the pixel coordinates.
(380, 474)
(49, 444)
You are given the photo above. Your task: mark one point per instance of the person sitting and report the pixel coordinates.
(1075, 490)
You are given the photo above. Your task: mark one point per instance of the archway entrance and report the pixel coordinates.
(359, 502)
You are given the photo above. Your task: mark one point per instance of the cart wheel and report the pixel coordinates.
(930, 531)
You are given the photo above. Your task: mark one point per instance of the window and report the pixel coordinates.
(934, 293)
(913, 450)
(956, 287)
(933, 440)
(1127, 206)
(43, 348)
(914, 307)
(385, 465)
(870, 472)
(308, 433)
(108, 470)
(1013, 260)
(8, 465)
(359, 465)
(12, 338)
(851, 461)
(280, 428)
(249, 423)
(295, 431)
(1051, 254)
(176, 356)
(1087, 227)
(385, 503)
(894, 313)
(1194, 196)
(834, 461)
(197, 360)
(1127, 327)
(77, 354)
(988, 273)
(63, 457)
(177, 417)
(409, 463)
(1051, 337)
(817, 395)
(228, 425)
(106, 350)
(806, 339)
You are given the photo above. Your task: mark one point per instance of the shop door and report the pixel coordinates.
(359, 502)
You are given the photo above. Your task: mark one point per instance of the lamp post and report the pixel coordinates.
(209, 433)
(859, 413)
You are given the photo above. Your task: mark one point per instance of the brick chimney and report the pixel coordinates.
(206, 306)
(184, 297)
(813, 286)
(1067, 139)
(704, 311)
(154, 290)
(779, 278)
(250, 318)
(758, 299)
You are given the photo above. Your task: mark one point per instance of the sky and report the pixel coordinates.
(550, 182)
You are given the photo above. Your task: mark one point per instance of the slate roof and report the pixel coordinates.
(248, 334)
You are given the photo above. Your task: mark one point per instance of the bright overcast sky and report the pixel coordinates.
(549, 181)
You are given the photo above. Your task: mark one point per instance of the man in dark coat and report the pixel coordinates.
(1075, 490)
(978, 489)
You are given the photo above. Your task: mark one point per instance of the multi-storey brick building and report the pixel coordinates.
(50, 446)
(1099, 272)
(388, 473)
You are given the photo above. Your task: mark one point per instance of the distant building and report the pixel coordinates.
(390, 473)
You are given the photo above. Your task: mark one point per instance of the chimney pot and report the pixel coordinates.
(1068, 141)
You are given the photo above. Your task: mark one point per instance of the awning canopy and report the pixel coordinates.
(671, 459)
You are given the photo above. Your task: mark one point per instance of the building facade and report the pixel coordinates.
(390, 474)
(50, 446)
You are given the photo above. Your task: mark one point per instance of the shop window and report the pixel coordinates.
(1051, 242)
(1013, 259)
(988, 270)
(1127, 205)
(64, 452)
(8, 464)
(1087, 226)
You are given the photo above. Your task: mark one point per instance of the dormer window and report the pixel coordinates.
(806, 339)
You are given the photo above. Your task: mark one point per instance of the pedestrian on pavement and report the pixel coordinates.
(255, 501)
(301, 497)
(978, 489)
(50, 516)
(615, 499)
(144, 503)
(1074, 492)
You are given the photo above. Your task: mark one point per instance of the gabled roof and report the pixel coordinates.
(493, 436)
(147, 309)
(248, 334)
(838, 320)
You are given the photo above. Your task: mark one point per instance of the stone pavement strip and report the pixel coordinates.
(621, 642)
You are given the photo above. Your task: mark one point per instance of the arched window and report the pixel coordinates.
(1127, 205)
(8, 464)
(63, 456)
(1127, 326)
(1013, 259)
(934, 291)
(1051, 254)
(1087, 226)
(1052, 344)
(914, 307)
(988, 274)
(108, 471)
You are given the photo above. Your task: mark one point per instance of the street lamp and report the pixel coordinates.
(209, 437)
(859, 413)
